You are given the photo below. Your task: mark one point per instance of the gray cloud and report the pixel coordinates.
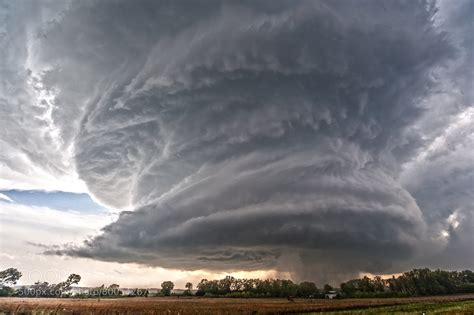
(252, 135)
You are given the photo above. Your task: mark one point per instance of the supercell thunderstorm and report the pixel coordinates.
(309, 137)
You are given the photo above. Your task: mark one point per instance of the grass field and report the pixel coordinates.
(458, 304)
(458, 307)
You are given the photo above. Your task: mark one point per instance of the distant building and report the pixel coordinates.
(330, 295)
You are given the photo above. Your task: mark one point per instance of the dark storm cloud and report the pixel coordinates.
(259, 134)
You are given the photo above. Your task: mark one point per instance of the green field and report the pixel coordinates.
(461, 307)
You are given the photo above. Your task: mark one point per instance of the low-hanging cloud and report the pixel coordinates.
(263, 134)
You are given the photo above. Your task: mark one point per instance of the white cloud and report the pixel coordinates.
(24, 230)
(34, 152)
(5, 198)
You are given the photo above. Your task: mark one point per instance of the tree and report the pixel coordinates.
(45, 289)
(379, 284)
(208, 286)
(307, 289)
(349, 288)
(166, 288)
(225, 285)
(466, 276)
(288, 288)
(189, 286)
(9, 276)
(366, 285)
(66, 285)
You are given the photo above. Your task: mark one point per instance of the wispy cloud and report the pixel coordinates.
(4, 197)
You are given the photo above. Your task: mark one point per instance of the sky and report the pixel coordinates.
(144, 141)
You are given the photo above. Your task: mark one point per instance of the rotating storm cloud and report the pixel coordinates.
(321, 138)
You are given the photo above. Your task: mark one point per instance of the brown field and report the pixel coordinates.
(196, 305)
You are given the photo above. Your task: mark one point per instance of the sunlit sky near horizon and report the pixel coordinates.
(40, 218)
(143, 141)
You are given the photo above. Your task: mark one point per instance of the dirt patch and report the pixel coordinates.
(197, 305)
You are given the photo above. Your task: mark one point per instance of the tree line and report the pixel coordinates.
(10, 276)
(417, 282)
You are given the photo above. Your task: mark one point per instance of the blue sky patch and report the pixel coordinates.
(56, 200)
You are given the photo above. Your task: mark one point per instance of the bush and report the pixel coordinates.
(466, 288)
(6, 291)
